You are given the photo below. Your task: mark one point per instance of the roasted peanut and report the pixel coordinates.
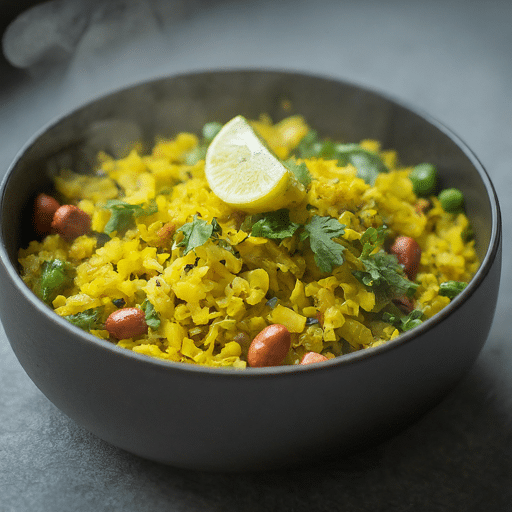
(45, 207)
(126, 323)
(165, 233)
(408, 252)
(269, 347)
(70, 222)
(312, 357)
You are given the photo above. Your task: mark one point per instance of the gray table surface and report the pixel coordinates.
(451, 59)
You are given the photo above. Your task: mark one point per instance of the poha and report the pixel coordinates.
(208, 278)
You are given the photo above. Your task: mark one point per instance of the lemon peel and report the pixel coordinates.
(243, 171)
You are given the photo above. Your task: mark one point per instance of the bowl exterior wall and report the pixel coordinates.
(230, 420)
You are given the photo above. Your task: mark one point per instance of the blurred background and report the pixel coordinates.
(448, 58)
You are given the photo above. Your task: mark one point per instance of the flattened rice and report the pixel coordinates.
(209, 278)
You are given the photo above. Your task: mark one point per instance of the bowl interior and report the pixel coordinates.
(164, 107)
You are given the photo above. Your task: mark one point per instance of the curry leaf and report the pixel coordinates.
(320, 231)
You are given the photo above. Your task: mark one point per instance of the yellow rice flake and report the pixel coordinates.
(258, 283)
(189, 349)
(435, 305)
(298, 297)
(82, 248)
(356, 333)
(59, 301)
(292, 129)
(280, 138)
(293, 321)
(312, 339)
(76, 304)
(173, 332)
(100, 217)
(142, 190)
(159, 293)
(371, 145)
(189, 288)
(230, 350)
(152, 351)
(333, 319)
(175, 150)
(75, 186)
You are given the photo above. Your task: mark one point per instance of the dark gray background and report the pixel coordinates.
(451, 59)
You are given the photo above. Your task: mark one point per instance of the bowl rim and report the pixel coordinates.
(276, 371)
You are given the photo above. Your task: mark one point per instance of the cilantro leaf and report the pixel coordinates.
(216, 228)
(152, 317)
(275, 225)
(87, 320)
(371, 239)
(368, 164)
(196, 233)
(451, 289)
(305, 148)
(123, 214)
(321, 231)
(404, 322)
(312, 146)
(384, 271)
(300, 171)
(56, 276)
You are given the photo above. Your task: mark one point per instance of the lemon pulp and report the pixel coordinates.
(244, 173)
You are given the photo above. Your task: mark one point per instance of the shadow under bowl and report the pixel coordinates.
(219, 419)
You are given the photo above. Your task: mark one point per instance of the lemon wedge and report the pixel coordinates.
(244, 173)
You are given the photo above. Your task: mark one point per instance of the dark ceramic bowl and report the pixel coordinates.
(219, 419)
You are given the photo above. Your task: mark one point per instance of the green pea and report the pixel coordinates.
(452, 199)
(211, 129)
(424, 179)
